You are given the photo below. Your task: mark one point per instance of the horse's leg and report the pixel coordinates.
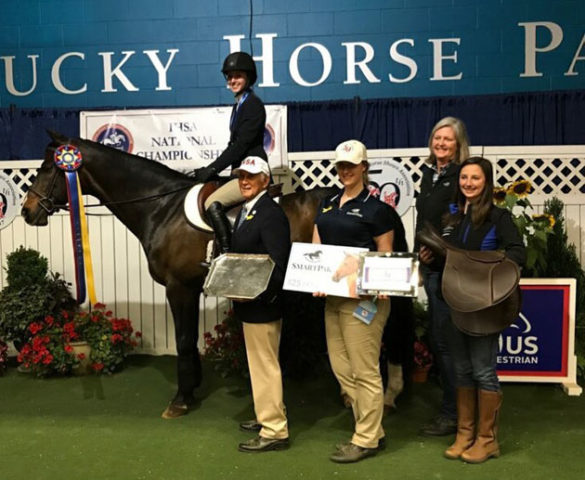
(184, 302)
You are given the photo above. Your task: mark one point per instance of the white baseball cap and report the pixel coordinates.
(352, 151)
(254, 165)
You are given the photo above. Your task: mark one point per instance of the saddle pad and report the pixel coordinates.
(191, 209)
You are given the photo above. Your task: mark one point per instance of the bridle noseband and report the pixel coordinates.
(45, 200)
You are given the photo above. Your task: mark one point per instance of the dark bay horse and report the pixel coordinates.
(173, 248)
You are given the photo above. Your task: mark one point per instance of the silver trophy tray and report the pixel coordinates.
(238, 275)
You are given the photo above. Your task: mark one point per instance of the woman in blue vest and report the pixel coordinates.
(474, 223)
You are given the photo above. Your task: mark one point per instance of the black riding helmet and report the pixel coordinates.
(243, 62)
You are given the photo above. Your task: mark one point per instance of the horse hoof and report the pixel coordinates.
(175, 410)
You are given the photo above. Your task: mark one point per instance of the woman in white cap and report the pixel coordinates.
(247, 125)
(354, 218)
(262, 227)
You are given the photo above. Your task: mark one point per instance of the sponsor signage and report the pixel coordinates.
(329, 269)
(185, 138)
(539, 345)
(9, 201)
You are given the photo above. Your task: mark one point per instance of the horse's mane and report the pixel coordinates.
(138, 163)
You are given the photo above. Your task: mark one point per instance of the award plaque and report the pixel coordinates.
(238, 275)
(388, 273)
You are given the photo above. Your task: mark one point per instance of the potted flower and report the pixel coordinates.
(48, 350)
(104, 339)
(78, 343)
(31, 294)
(226, 348)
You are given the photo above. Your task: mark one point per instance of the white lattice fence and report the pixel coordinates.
(553, 170)
(122, 278)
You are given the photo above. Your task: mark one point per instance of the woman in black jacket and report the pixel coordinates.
(247, 125)
(449, 146)
(476, 224)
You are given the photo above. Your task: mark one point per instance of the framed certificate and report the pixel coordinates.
(394, 273)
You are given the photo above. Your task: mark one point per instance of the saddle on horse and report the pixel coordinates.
(194, 204)
(480, 287)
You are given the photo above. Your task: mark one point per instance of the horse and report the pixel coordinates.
(147, 197)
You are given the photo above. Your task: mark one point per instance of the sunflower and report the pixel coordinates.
(544, 218)
(521, 188)
(500, 195)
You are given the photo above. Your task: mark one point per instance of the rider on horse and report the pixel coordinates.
(246, 139)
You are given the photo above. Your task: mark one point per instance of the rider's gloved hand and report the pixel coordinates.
(203, 174)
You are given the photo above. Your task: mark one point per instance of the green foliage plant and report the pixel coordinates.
(563, 262)
(31, 294)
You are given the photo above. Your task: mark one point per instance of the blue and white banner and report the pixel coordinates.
(182, 139)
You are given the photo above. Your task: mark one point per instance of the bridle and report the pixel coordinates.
(45, 200)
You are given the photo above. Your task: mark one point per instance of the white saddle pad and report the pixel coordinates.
(191, 209)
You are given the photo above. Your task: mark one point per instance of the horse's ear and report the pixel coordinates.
(57, 137)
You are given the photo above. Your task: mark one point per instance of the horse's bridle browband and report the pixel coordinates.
(52, 207)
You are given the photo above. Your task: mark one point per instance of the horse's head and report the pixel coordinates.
(48, 192)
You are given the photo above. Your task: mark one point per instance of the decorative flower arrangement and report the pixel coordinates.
(3, 356)
(111, 339)
(50, 351)
(534, 228)
(226, 348)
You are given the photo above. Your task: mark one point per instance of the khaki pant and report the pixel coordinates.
(354, 353)
(262, 345)
(228, 194)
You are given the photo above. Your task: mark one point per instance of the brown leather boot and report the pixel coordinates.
(466, 407)
(486, 443)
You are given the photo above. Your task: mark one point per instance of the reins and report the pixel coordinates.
(51, 207)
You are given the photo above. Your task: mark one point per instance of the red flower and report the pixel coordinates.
(68, 348)
(35, 328)
(109, 313)
(97, 366)
(99, 306)
(48, 359)
(116, 337)
(138, 334)
(81, 356)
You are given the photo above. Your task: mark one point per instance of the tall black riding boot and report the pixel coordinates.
(221, 226)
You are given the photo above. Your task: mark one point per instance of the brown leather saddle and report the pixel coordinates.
(480, 287)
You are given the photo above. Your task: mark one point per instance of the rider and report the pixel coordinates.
(246, 139)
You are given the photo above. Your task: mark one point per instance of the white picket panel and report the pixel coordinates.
(121, 272)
